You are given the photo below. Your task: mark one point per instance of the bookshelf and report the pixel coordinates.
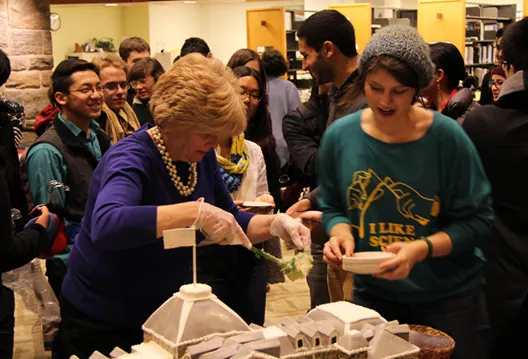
(482, 23)
(277, 28)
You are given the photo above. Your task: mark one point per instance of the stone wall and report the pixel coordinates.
(26, 39)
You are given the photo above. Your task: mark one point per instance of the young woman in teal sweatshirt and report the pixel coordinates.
(399, 178)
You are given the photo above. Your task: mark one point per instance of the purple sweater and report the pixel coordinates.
(118, 270)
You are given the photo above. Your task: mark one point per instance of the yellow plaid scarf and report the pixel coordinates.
(238, 150)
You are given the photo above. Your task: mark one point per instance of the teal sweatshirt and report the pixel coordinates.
(401, 192)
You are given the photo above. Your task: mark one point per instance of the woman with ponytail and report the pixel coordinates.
(444, 94)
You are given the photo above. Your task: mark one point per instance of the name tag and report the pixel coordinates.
(179, 237)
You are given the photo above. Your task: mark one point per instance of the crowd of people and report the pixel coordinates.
(390, 153)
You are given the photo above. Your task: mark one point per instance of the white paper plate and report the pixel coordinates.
(366, 262)
(256, 204)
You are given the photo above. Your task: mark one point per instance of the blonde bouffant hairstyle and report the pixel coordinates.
(199, 93)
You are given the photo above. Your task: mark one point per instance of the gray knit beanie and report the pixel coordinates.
(404, 43)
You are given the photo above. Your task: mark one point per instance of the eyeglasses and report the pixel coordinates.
(253, 97)
(498, 84)
(89, 91)
(134, 84)
(112, 86)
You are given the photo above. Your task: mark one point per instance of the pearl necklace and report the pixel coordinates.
(185, 190)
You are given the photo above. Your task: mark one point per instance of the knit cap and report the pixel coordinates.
(404, 43)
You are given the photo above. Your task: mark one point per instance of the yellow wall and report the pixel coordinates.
(443, 21)
(79, 24)
(525, 8)
(136, 21)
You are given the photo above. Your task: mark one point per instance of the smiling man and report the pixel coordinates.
(69, 150)
(117, 117)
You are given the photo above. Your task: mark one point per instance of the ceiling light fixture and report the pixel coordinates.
(110, 4)
(189, 2)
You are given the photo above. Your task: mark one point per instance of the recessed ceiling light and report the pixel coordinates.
(189, 2)
(110, 4)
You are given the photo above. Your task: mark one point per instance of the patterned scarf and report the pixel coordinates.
(233, 169)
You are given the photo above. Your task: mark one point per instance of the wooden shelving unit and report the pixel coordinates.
(443, 21)
(277, 28)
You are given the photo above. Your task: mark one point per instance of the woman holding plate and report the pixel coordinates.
(398, 178)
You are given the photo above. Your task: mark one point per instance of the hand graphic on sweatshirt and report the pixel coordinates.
(411, 204)
(360, 192)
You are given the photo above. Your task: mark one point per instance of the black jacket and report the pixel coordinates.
(15, 249)
(500, 134)
(80, 161)
(142, 111)
(12, 165)
(460, 105)
(303, 130)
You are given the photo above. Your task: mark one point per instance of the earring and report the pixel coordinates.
(438, 86)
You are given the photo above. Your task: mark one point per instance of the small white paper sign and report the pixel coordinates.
(179, 237)
(261, 49)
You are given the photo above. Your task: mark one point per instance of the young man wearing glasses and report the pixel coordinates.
(69, 150)
(117, 117)
(500, 134)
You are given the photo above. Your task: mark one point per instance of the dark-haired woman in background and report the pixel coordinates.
(444, 93)
(283, 97)
(498, 76)
(249, 58)
(259, 129)
(142, 77)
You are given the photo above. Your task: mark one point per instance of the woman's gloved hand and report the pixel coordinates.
(219, 226)
(291, 231)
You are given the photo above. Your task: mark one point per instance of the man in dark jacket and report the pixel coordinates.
(328, 44)
(303, 130)
(500, 134)
(69, 150)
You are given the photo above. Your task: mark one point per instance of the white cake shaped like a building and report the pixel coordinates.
(192, 315)
(195, 324)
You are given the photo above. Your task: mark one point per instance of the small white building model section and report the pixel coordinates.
(345, 316)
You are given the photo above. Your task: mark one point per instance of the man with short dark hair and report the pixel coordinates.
(195, 44)
(132, 50)
(69, 150)
(500, 134)
(328, 44)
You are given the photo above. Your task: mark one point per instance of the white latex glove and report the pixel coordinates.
(219, 226)
(291, 230)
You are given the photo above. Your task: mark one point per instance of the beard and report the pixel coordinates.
(324, 71)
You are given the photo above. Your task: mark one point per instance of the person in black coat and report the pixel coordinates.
(16, 249)
(500, 134)
(303, 130)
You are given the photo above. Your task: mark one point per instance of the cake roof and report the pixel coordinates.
(385, 345)
(352, 342)
(346, 312)
(190, 314)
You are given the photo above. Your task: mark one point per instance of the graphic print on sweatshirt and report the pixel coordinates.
(388, 211)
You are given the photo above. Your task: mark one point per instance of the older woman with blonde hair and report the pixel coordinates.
(159, 178)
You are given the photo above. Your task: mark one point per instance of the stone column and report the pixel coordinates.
(25, 25)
